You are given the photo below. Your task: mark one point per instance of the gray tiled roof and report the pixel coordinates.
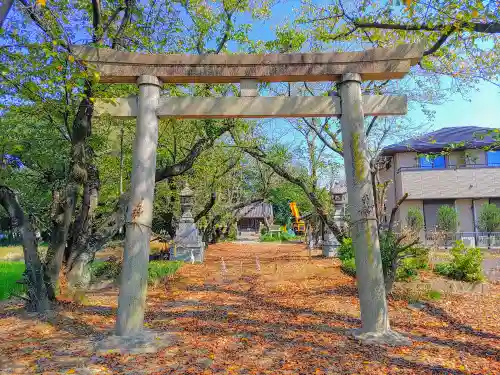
(440, 139)
(256, 210)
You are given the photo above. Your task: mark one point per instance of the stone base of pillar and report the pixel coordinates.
(144, 342)
(188, 244)
(329, 250)
(388, 337)
(184, 253)
(330, 245)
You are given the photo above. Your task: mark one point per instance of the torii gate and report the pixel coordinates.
(349, 68)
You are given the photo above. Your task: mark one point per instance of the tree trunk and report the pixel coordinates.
(60, 228)
(36, 290)
(81, 153)
(84, 253)
(364, 229)
(83, 223)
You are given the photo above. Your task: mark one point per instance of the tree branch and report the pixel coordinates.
(323, 139)
(207, 208)
(227, 29)
(372, 122)
(125, 20)
(439, 42)
(200, 146)
(487, 28)
(38, 21)
(96, 19)
(395, 209)
(4, 10)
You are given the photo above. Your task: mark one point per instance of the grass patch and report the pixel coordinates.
(10, 272)
(157, 269)
(276, 237)
(349, 267)
(434, 294)
(15, 252)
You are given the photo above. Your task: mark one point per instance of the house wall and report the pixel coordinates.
(465, 215)
(477, 157)
(406, 159)
(456, 158)
(451, 183)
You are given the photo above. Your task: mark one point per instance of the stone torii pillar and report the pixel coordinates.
(364, 231)
(134, 276)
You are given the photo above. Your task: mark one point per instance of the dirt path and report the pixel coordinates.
(290, 317)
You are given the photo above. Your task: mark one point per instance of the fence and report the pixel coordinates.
(474, 239)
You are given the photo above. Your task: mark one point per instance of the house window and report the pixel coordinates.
(493, 158)
(429, 162)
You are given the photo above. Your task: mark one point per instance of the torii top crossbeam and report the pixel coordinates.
(373, 64)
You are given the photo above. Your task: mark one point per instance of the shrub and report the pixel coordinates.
(349, 267)
(160, 269)
(398, 262)
(346, 250)
(447, 219)
(157, 269)
(281, 236)
(434, 294)
(415, 219)
(109, 269)
(489, 219)
(232, 233)
(466, 264)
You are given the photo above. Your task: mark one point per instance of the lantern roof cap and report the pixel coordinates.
(186, 192)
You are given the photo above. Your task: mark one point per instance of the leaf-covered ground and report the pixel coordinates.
(291, 317)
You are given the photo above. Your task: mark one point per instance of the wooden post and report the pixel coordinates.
(369, 275)
(134, 276)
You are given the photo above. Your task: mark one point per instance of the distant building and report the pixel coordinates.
(465, 178)
(251, 217)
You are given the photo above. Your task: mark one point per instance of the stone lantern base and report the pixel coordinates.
(330, 244)
(188, 244)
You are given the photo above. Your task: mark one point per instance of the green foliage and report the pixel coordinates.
(407, 262)
(346, 250)
(159, 269)
(447, 219)
(408, 268)
(105, 270)
(156, 270)
(489, 218)
(434, 294)
(466, 264)
(349, 267)
(276, 237)
(10, 272)
(415, 219)
(282, 195)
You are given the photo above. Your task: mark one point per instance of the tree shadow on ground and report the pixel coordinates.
(444, 316)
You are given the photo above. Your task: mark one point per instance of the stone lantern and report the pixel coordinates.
(186, 204)
(188, 242)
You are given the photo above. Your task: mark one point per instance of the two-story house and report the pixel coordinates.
(465, 177)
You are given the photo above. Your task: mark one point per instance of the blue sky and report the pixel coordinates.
(480, 107)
